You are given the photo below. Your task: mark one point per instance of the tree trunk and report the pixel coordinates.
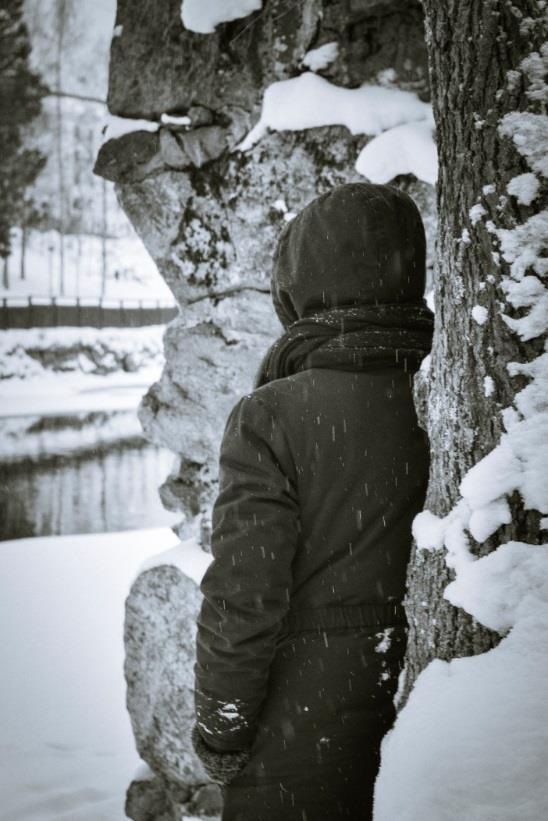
(475, 50)
(24, 229)
(61, 16)
(104, 230)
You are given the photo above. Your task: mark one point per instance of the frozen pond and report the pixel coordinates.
(107, 489)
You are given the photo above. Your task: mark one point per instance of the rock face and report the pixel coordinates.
(157, 66)
(210, 216)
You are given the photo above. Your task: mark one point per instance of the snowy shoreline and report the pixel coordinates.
(65, 394)
(67, 751)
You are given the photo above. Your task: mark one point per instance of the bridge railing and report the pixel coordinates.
(42, 312)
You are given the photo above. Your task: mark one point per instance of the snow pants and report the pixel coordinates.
(330, 702)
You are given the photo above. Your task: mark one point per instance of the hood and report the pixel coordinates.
(359, 244)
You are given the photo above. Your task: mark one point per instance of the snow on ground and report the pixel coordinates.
(130, 272)
(203, 15)
(62, 394)
(89, 380)
(36, 352)
(472, 741)
(66, 748)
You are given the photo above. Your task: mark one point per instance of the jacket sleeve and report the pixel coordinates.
(255, 532)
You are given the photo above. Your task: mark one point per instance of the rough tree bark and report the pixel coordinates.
(475, 50)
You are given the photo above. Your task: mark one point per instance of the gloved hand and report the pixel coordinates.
(220, 767)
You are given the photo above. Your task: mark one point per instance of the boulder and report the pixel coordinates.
(159, 636)
(129, 158)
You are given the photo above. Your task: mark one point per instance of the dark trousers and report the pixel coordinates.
(330, 702)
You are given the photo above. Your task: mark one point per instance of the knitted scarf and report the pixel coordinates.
(352, 338)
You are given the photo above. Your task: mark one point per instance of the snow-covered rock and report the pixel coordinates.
(309, 101)
(404, 149)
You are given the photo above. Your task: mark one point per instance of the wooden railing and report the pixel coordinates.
(42, 312)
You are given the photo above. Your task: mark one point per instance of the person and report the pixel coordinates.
(323, 466)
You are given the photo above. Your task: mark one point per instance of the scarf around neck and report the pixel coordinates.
(352, 338)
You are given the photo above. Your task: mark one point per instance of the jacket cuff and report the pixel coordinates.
(221, 767)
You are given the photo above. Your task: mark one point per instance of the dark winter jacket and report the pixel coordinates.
(321, 474)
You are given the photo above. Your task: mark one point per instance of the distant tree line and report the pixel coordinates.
(21, 93)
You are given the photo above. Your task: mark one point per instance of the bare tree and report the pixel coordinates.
(60, 21)
(21, 93)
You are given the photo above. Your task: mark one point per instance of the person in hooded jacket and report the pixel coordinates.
(323, 466)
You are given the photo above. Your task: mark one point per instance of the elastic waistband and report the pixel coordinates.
(336, 616)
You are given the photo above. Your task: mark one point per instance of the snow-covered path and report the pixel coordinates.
(66, 749)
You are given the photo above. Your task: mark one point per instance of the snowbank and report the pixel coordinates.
(35, 352)
(472, 741)
(66, 751)
(130, 271)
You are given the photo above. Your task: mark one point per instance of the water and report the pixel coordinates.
(92, 492)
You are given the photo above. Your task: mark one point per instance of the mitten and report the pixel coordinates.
(220, 767)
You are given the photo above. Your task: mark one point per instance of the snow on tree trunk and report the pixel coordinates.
(486, 63)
